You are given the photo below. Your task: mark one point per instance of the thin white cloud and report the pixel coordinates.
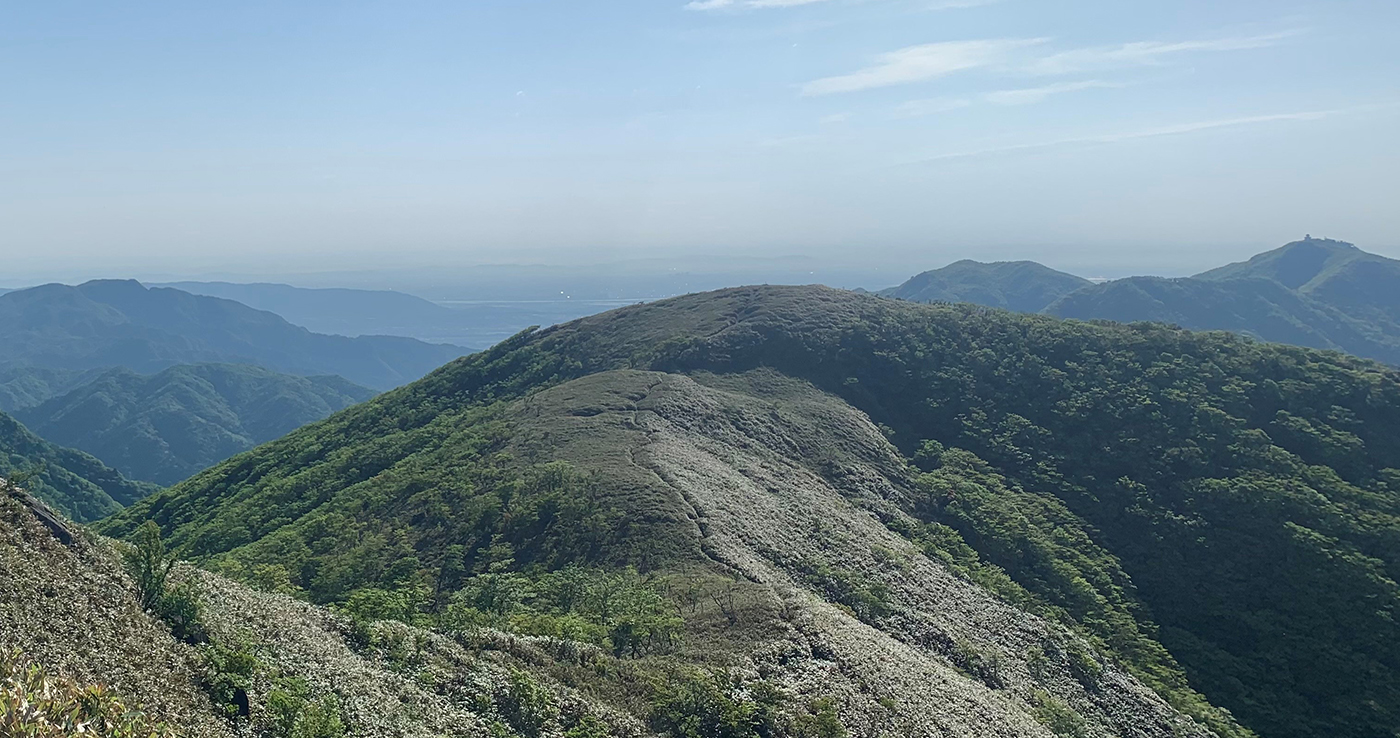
(1143, 53)
(1032, 95)
(919, 63)
(930, 106)
(1110, 138)
(1028, 96)
(740, 4)
(927, 61)
(722, 4)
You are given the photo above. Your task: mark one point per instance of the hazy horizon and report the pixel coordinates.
(457, 282)
(263, 142)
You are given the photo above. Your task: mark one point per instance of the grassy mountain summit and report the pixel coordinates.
(72, 482)
(114, 323)
(1023, 286)
(1060, 512)
(1298, 265)
(165, 427)
(1363, 285)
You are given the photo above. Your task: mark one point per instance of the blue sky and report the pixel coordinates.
(272, 137)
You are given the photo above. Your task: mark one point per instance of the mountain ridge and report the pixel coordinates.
(1023, 286)
(1318, 293)
(1018, 425)
(120, 323)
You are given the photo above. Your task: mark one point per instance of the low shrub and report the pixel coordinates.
(702, 705)
(228, 673)
(1060, 718)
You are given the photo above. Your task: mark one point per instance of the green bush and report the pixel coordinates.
(822, 720)
(293, 714)
(285, 701)
(619, 610)
(148, 564)
(982, 665)
(526, 705)
(867, 600)
(404, 604)
(181, 609)
(1060, 718)
(588, 727)
(228, 673)
(701, 705)
(319, 719)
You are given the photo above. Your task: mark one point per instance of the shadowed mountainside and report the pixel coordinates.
(1316, 293)
(72, 482)
(165, 427)
(343, 312)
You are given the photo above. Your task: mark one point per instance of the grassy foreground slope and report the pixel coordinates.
(262, 664)
(164, 427)
(1217, 516)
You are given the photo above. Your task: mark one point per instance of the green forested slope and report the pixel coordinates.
(1195, 503)
(1316, 292)
(71, 481)
(1255, 306)
(165, 427)
(27, 386)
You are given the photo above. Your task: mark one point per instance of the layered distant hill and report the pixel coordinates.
(105, 324)
(1023, 286)
(26, 386)
(71, 481)
(915, 520)
(1317, 293)
(344, 312)
(357, 312)
(166, 427)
